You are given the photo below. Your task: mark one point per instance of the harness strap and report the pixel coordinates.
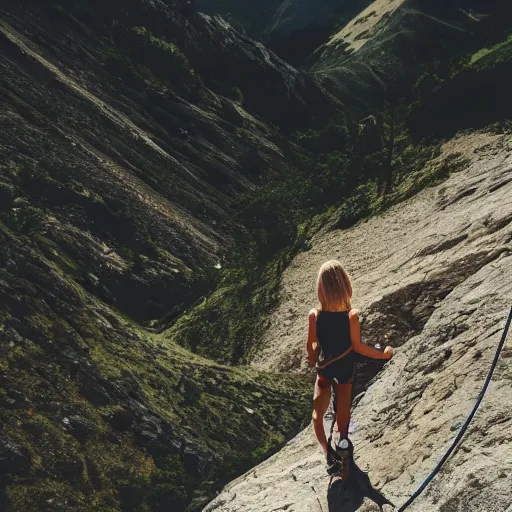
(334, 359)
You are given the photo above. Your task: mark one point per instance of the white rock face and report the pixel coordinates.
(444, 258)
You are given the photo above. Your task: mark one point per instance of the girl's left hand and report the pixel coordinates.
(388, 351)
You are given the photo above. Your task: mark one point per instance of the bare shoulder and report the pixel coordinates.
(353, 315)
(313, 314)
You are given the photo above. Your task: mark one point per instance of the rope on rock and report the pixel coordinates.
(462, 431)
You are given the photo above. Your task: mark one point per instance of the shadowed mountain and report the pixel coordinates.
(291, 28)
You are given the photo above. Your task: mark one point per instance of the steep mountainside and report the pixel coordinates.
(379, 53)
(129, 107)
(128, 136)
(431, 277)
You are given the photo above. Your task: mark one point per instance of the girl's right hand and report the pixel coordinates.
(388, 351)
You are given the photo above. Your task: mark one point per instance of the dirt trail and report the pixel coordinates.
(431, 276)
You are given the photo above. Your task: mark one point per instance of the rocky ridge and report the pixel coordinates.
(430, 277)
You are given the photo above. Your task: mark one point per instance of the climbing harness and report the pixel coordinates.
(321, 364)
(462, 431)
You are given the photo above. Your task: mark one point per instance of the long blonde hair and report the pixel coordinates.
(334, 288)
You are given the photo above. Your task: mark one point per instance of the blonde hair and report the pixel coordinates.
(334, 288)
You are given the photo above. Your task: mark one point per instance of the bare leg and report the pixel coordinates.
(343, 403)
(321, 401)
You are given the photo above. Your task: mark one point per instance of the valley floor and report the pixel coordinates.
(431, 276)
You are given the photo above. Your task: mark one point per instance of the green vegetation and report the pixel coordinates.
(238, 95)
(86, 444)
(25, 219)
(467, 91)
(500, 52)
(228, 322)
(133, 52)
(106, 406)
(121, 65)
(170, 48)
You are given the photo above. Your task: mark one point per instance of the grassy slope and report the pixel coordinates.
(492, 55)
(108, 212)
(470, 91)
(112, 417)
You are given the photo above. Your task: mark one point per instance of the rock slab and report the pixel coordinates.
(457, 236)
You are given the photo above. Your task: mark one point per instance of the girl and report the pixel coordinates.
(333, 339)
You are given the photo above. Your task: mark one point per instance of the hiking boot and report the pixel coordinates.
(333, 464)
(343, 455)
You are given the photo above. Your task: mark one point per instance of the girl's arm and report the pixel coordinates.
(359, 346)
(312, 344)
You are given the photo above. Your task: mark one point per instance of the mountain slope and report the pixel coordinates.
(382, 52)
(430, 277)
(125, 149)
(155, 159)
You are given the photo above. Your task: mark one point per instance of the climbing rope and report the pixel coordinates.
(466, 424)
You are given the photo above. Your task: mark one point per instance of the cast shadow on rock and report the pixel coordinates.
(350, 495)
(3, 494)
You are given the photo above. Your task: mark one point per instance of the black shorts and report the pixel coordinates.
(342, 370)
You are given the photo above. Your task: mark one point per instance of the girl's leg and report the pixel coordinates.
(343, 403)
(321, 401)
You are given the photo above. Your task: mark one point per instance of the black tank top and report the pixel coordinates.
(333, 333)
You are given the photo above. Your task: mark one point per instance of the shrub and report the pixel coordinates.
(26, 220)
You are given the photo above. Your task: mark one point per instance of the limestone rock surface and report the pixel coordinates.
(432, 277)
